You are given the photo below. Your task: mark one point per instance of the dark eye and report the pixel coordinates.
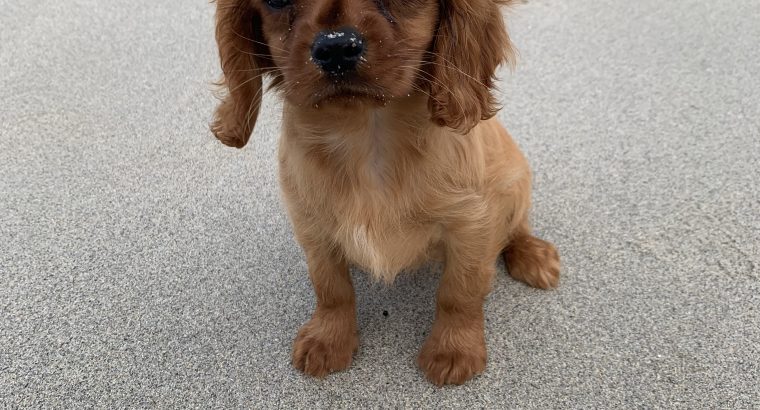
(278, 4)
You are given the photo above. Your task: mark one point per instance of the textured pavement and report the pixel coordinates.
(143, 264)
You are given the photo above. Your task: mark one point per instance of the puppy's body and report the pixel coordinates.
(389, 156)
(387, 188)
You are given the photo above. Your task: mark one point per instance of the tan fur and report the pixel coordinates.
(390, 172)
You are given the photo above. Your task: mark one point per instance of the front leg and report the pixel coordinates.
(327, 342)
(455, 351)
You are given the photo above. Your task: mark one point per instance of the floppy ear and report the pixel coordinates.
(471, 42)
(242, 52)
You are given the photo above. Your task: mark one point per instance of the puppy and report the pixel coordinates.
(389, 156)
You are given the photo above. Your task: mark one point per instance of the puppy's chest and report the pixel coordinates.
(382, 236)
(366, 206)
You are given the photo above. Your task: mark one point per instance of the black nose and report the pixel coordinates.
(338, 51)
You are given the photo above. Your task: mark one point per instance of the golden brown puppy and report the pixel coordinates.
(388, 157)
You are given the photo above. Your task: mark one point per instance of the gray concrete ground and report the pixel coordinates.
(143, 264)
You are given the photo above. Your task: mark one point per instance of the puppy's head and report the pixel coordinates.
(321, 52)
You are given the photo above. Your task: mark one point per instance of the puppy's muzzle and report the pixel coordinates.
(338, 51)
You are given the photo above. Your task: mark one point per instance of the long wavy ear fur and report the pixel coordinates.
(471, 42)
(242, 52)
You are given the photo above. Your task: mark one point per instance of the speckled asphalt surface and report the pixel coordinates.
(143, 264)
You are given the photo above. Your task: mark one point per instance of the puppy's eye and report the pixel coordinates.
(278, 4)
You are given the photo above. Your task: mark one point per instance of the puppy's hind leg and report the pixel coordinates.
(532, 260)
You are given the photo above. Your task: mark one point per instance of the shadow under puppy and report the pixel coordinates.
(389, 156)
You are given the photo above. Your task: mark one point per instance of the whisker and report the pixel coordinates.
(253, 54)
(250, 109)
(245, 82)
(451, 65)
(446, 64)
(432, 78)
(258, 42)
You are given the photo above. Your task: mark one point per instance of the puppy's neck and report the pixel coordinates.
(365, 143)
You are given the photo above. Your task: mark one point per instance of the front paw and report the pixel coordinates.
(324, 346)
(458, 359)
